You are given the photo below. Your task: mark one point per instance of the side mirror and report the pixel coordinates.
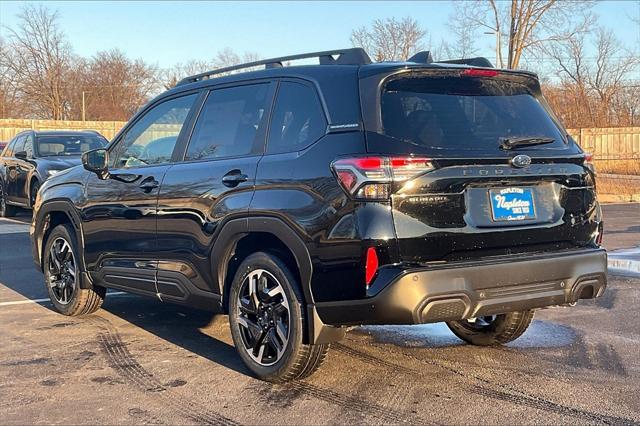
(97, 161)
(21, 155)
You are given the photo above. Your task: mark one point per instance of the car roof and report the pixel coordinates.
(66, 133)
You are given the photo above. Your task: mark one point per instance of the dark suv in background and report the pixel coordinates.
(303, 199)
(32, 157)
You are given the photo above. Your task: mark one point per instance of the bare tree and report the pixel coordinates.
(171, 76)
(390, 39)
(595, 91)
(11, 104)
(40, 61)
(463, 45)
(227, 57)
(223, 58)
(114, 86)
(526, 24)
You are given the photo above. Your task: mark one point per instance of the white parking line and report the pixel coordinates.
(15, 221)
(24, 302)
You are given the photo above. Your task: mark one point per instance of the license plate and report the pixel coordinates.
(512, 204)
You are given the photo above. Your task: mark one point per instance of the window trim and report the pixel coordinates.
(10, 147)
(258, 149)
(323, 112)
(140, 115)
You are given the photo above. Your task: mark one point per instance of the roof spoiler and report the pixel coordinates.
(474, 62)
(424, 57)
(353, 56)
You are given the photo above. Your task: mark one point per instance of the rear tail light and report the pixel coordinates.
(372, 178)
(588, 161)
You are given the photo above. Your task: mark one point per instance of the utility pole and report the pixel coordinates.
(83, 107)
(498, 55)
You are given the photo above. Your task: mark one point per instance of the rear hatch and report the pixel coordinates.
(503, 177)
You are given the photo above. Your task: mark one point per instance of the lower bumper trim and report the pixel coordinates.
(440, 294)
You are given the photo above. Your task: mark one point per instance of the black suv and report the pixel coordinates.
(301, 200)
(32, 157)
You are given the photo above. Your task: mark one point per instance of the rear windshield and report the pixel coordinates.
(68, 145)
(461, 113)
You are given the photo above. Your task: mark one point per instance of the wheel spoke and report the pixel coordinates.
(260, 356)
(282, 333)
(66, 253)
(246, 306)
(258, 344)
(263, 288)
(275, 343)
(271, 293)
(72, 270)
(253, 281)
(63, 295)
(253, 328)
(54, 258)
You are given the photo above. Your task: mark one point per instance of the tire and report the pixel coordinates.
(62, 285)
(33, 193)
(5, 209)
(500, 329)
(262, 317)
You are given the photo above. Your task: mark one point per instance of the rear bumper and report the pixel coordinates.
(466, 290)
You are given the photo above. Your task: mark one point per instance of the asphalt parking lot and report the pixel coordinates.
(138, 361)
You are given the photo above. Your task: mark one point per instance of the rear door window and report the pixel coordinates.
(464, 114)
(297, 120)
(230, 123)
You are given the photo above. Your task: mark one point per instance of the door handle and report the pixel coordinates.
(234, 178)
(149, 184)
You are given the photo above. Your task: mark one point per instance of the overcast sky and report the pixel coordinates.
(165, 33)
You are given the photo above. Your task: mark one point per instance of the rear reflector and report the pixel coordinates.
(472, 72)
(371, 178)
(371, 266)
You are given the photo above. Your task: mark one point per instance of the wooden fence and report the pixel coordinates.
(11, 127)
(605, 143)
(609, 143)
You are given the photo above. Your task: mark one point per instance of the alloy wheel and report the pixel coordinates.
(61, 270)
(263, 317)
(34, 194)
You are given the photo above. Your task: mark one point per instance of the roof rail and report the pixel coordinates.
(474, 62)
(352, 56)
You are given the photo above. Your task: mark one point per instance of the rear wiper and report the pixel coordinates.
(510, 143)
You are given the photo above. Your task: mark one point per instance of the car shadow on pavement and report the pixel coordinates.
(179, 326)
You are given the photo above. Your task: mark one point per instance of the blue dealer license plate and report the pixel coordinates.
(512, 204)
